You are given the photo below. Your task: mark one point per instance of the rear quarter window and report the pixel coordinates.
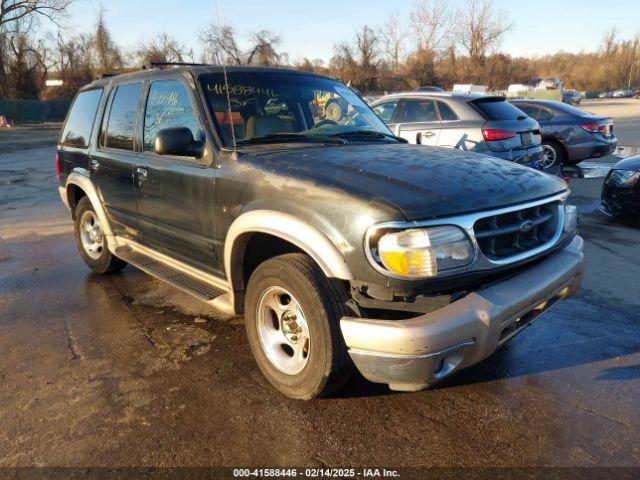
(497, 109)
(446, 113)
(79, 124)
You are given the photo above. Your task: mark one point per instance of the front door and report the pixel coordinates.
(111, 163)
(417, 121)
(175, 195)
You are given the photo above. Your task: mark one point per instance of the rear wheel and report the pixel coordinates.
(292, 314)
(91, 241)
(553, 153)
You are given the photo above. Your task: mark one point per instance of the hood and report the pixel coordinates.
(423, 182)
(630, 163)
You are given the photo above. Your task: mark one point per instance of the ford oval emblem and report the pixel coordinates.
(526, 226)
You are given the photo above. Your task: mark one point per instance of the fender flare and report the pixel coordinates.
(289, 228)
(80, 178)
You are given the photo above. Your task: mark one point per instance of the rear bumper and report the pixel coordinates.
(524, 156)
(412, 354)
(595, 147)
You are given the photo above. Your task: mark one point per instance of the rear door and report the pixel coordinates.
(455, 133)
(417, 121)
(111, 163)
(175, 194)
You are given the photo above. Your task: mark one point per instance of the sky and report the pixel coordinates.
(311, 28)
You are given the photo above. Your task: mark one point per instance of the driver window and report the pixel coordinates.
(385, 110)
(168, 105)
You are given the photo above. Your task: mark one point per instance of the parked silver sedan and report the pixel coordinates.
(478, 123)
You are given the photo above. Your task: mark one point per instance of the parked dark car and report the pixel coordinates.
(569, 134)
(621, 191)
(572, 97)
(343, 246)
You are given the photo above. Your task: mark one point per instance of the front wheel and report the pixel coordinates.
(292, 315)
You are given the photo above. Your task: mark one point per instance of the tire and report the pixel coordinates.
(554, 149)
(333, 110)
(289, 281)
(92, 245)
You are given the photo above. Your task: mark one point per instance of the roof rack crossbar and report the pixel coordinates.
(148, 65)
(105, 75)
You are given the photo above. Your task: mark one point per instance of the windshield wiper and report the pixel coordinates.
(290, 137)
(367, 134)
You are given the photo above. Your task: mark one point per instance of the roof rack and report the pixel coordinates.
(148, 65)
(105, 75)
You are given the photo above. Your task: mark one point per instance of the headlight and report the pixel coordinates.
(624, 178)
(425, 252)
(570, 218)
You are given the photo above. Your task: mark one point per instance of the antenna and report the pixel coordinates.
(226, 82)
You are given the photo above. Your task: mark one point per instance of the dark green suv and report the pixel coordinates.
(343, 246)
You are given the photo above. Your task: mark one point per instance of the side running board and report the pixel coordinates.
(198, 287)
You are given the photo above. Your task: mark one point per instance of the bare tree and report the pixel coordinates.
(220, 42)
(28, 62)
(481, 28)
(610, 42)
(358, 65)
(162, 48)
(109, 57)
(263, 50)
(13, 14)
(392, 37)
(431, 22)
(12, 11)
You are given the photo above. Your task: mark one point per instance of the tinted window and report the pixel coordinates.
(544, 114)
(530, 110)
(77, 130)
(414, 110)
(446, 114)
(168, 106)
(497, 109)
(571, 109)
(122, 116)
(385, 110)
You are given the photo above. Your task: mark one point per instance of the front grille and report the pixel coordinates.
(508, 234)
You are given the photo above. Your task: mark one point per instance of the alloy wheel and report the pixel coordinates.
(283, 330)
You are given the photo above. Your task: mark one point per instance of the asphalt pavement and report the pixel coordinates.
(123, 370)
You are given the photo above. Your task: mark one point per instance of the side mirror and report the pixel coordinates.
(177, 141)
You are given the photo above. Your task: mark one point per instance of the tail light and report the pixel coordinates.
(491, 134)
(597, 127)
(58, 169)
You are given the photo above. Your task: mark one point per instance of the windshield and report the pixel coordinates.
(287, 107)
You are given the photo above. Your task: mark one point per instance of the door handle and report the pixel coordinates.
(141, 175)
(429, 134)
(95, 164)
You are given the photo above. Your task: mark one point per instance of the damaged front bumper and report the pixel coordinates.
(412, 354)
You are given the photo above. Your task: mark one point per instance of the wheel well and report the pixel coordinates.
(259, 247)
(559, 142)
(74, 194)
